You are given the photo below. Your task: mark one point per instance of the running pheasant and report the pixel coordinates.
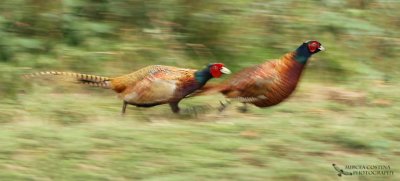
(269, 83)
(152, 85)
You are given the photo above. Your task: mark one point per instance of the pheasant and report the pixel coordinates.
(269, 83)
(152, 85)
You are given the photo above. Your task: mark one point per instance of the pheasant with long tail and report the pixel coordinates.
(269, 83)
(152, 85)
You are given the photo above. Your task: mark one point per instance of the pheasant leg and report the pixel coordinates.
(243, 108)
(174, 107)
(124, 107)
(223, 105)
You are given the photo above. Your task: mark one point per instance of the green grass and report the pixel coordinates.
(345, 111)
(47, 135)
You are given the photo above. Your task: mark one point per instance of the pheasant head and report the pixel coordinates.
(213, 70)
(307, 49)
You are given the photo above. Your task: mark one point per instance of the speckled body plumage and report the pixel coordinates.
(269, 83)
(266, 84)
(152, 85)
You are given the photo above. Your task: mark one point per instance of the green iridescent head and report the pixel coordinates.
(307, 49)
(213, 70)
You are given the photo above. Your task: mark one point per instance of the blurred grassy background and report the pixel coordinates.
(345, 110)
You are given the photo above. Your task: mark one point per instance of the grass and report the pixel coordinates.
(340, 114)
(47, 135)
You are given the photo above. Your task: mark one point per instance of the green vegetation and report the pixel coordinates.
(345, 110)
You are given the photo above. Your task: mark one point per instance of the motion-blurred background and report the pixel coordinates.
(345, 110)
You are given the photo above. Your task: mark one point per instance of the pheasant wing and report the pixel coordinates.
(253, 82)
(159, 85)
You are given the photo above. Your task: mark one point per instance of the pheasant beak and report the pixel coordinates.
(321, 48)
(225, 70)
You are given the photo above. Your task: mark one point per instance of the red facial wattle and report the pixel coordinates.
(313, 46)
(215, 70)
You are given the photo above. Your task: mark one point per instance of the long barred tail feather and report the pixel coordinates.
(91, 80)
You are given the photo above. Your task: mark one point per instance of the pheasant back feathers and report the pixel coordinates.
(268, 83)
(153, 85)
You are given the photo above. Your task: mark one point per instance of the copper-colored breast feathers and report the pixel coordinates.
(265, 84)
